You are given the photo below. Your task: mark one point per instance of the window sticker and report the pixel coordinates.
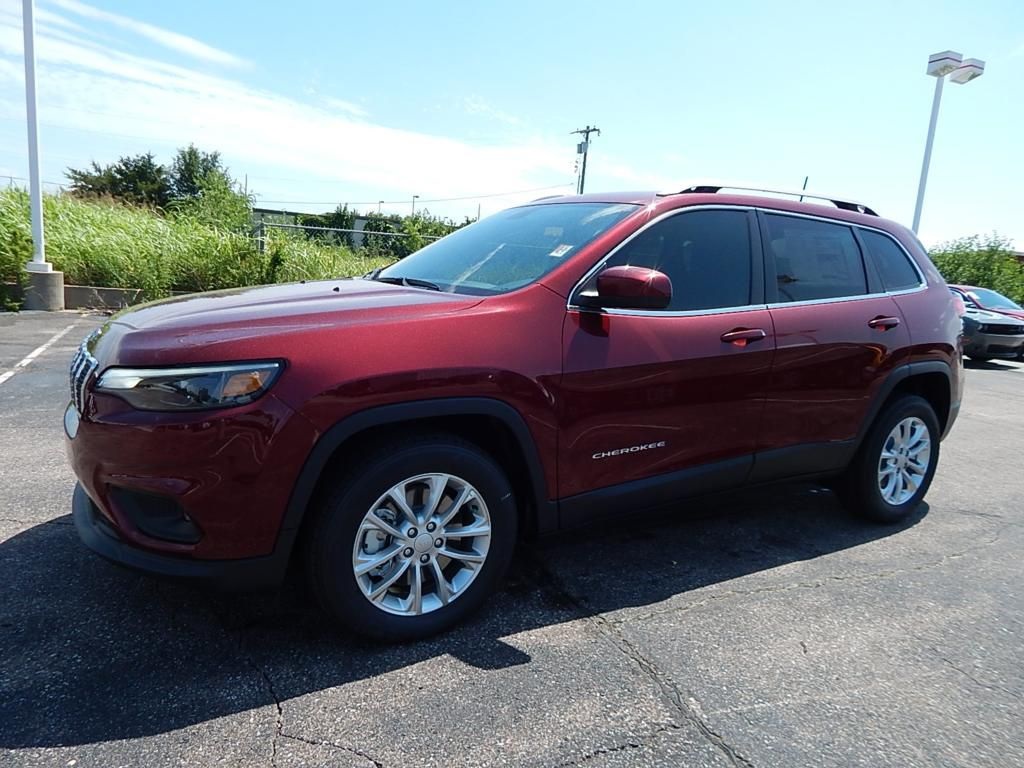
(560, 251)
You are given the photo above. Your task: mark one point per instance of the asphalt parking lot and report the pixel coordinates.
(762, 629)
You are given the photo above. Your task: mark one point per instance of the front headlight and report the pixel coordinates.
(189, 389)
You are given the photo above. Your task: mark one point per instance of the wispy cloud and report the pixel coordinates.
(116, 100)
(173, 41)
(343, 106)
(103, 91)
(475, 105)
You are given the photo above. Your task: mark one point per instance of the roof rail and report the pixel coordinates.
(846, 205)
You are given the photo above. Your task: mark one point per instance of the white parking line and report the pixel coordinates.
(24, 363)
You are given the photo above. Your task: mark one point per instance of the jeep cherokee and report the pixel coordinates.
(570, 359)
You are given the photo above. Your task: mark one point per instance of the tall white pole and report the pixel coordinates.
(38, 263)
(939, 80)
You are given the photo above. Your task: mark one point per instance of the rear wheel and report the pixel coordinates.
(896, 462)
(413, 539)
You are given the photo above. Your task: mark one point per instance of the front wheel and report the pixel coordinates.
(413, 539)
(894, 467)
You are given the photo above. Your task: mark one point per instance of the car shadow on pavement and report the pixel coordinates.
(90, 652)
(989, 365)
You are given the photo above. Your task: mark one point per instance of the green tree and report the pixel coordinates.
(217, 203)
(137, 179)
(191, 167)
(341, 217)
(986, 261)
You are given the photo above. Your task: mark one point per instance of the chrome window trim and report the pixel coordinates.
(675, 312)
(830, 300)
(571, 307)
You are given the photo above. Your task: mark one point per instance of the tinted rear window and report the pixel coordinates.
(814, 259)
(893, 265)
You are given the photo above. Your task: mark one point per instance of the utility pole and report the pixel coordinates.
(582, 149)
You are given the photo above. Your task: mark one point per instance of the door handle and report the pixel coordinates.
(885, 323)
(740, 337)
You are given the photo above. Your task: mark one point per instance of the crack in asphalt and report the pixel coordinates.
(239, 642)
(972, 678)
(324, 743)
(863, 577)
(687, 707)
(279, 717)
(635, 743)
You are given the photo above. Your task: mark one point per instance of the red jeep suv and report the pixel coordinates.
(565, 360)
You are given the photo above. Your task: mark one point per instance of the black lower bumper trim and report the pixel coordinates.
(248, 573)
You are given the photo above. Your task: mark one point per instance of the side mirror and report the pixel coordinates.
(629, 288)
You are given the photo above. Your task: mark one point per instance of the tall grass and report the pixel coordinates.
(108, 244)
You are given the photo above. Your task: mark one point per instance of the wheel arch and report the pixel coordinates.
(930, 379)
(493, 425)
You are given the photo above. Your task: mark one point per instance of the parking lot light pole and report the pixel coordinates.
(961, 71)
(45, 287)
(414, 204)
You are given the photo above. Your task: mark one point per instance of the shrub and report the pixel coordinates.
(109, 244)
(985, 261)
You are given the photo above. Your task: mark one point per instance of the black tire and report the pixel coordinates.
(859, 487)
(330, 539)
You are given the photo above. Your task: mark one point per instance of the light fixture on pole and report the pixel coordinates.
(960, 71)
(414, 198)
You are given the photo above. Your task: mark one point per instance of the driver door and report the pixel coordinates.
(659, 403)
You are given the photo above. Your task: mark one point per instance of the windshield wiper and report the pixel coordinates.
(372, 274)
(409, 282)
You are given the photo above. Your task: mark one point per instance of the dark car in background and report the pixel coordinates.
(987, 300)
(989, 335)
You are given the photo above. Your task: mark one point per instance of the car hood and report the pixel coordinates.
(328, 300)
(1017, 314)
(186, 326)
(984, 316)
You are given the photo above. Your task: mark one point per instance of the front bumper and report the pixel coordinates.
(99, 536)
(1003, 346)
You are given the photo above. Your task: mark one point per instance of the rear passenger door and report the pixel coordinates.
(838, 335)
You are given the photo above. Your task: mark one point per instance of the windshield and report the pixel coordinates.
(987, 298)
(508, 250)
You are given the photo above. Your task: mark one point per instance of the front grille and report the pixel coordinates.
(1002, 329)
(83, 366)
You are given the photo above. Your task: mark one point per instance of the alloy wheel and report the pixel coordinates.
(421, 544)
(903, 463)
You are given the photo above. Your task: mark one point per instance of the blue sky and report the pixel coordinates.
(321, 102)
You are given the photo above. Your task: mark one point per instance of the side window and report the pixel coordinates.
(706, 255)
(814, 259)
(893, 265)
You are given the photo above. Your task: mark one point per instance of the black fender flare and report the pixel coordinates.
(335, 436)
(898, 375)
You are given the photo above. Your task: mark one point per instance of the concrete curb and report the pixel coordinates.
(82, 296)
